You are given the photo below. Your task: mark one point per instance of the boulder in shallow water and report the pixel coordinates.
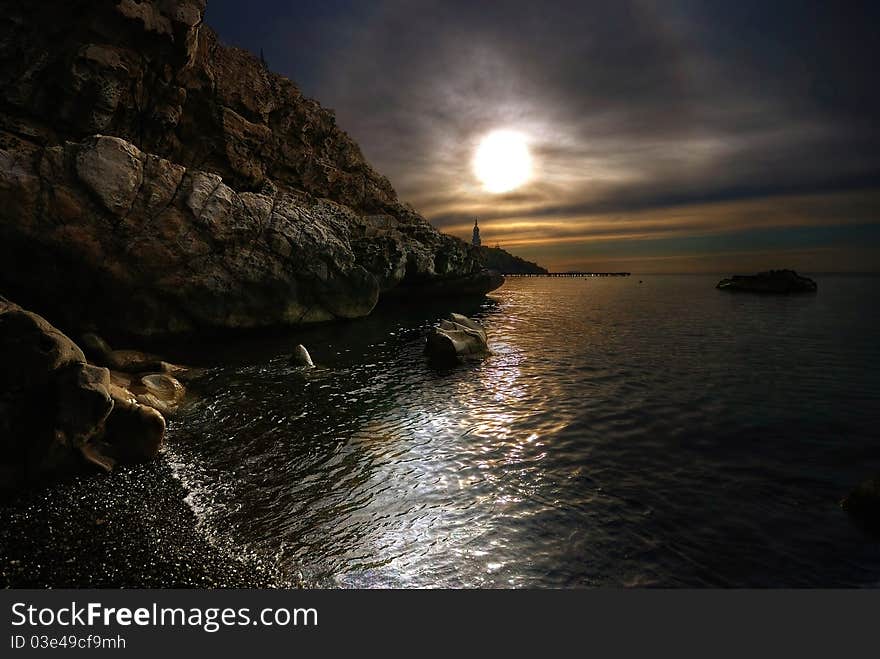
(301, 357)
(863, 503)
(457, 337)
(160, 391)
(778, 282)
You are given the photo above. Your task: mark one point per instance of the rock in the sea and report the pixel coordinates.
(160, 391)
(57, 412)
(863, 503)
(155, 182)
(457, 337)
(301, 357)
(773, 281)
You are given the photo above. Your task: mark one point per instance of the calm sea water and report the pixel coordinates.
(621, 434)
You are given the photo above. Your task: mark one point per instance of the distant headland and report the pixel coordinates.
(495, 258)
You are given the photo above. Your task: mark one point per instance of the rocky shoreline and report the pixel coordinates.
(61, 414)
(156, 185)
(154, 182)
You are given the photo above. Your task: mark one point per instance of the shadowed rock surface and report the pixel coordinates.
(154, 182)
(59, 414)
(780, 282)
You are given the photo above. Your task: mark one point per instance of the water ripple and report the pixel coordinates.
(620, 434)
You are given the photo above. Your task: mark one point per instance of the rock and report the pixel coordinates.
(863, 503)
(31, 350)
(455, 338)
(112, 170)
(83, 402)
(474, 284)
(301, 357)
(495, 258)
(127, 361)
(42, 378)
(121, 380)
(468, 323)
(58, 414)
(95, 453)
(160, 391)
(773, 281)
(95, 348)
(135, 361)
(133, 432)
(155, 182)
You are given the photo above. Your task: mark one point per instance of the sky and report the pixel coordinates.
(665, 136)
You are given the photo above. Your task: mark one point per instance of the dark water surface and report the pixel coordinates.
(621, 434)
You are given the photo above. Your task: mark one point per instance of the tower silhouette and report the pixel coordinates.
(475, 241)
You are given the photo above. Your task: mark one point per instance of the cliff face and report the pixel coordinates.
(506, 263)
(153, 181)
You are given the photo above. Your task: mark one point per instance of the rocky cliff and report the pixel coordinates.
(154, 181)
(506, 263)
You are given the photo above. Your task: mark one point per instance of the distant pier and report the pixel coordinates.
(569, 274)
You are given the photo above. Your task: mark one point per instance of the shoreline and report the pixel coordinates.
(129, 529)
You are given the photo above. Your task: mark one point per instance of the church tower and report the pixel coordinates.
(475, 241)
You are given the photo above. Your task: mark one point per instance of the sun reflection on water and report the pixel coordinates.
(594, 446)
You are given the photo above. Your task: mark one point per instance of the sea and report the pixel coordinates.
(642, 431)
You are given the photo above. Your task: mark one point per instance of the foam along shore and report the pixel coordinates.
(132, 530)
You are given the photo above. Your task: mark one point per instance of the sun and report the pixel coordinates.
(502, 162)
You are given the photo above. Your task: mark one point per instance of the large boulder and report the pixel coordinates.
(49, 400)
(156, 182)
(455, 338)
(133, 432)
(779, 282)
(58, 414)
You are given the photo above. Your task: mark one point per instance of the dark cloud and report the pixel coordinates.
(630, 107)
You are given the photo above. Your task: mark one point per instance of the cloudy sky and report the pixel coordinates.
(665, 136)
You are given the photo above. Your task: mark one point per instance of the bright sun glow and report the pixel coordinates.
(503, 162)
